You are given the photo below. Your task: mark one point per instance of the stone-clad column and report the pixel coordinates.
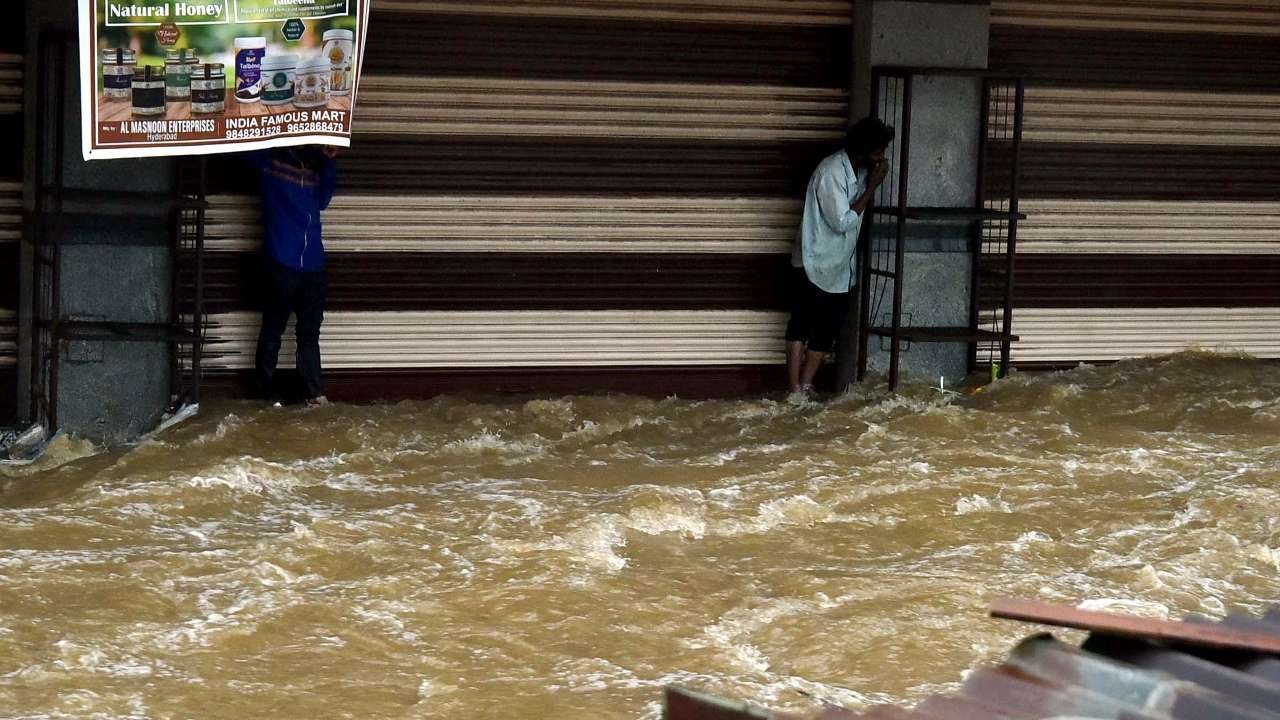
(943, 162)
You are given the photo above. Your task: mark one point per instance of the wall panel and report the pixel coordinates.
(598, 184)
(1151, 176)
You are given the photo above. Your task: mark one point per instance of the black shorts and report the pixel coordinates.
(816, 315)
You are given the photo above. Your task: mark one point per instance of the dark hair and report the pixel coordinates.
(868, 135)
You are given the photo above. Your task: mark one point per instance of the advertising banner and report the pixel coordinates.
(163, 77)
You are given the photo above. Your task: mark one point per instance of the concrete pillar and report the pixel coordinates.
(109, 391)
(943, 162)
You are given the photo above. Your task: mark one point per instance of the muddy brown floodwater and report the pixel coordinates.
(568, 557)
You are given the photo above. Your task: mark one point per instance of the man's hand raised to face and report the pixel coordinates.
(878, 173)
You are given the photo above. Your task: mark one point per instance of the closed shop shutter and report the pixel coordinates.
(1151, 176)
(10, 229)
(540, 189)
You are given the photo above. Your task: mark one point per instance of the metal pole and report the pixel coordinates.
(36, 235)
(197, 310)
(175, 301)
(53, 357)
(899, 255)
(864, 258)
(58, 61)
(1011, 246)
(975, 248)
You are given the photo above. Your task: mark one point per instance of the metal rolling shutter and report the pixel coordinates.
(1230, 17)
(357, 340)
(1105, 334)
(594, 189)
(1151, 176)
(10, 229)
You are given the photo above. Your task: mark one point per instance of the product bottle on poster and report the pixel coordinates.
(312, 88)
(178, 65)
(148, 91)
(278, 76)
(208, 89)
(338, 45)
(117, 73)
(249, 54)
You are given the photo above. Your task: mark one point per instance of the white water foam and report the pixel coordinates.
(979, 504)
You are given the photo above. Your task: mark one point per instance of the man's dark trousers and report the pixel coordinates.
(303, 294)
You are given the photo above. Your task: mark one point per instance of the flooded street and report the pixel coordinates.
(569, 557)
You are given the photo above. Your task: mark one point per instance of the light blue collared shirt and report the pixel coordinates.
(829, 230)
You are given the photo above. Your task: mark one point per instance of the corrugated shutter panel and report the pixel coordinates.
(8, 339)
(1213, 119)
(1149, 227)
(10, 83)
(528, 224)
(1150, 176)
(400, 105)
(1231, 17)
(1142, 280)
(758, 12)
(11, 128)
(1047, 336)
(373, 340)
(610, 183)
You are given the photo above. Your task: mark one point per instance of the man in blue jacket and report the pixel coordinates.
(297, 183)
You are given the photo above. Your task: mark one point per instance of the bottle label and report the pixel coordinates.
(278, 88)
(178, 78)
(249, 73)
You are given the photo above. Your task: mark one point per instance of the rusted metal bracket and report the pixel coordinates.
(1169, 631)
(682, 704)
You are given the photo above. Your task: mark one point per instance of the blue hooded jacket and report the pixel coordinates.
(297, 183)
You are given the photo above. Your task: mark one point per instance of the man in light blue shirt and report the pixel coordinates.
(840, 191)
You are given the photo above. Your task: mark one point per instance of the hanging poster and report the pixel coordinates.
(162, 77)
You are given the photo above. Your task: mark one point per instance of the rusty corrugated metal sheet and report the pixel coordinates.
(1130, 668)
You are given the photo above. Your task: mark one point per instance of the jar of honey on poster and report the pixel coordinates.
(148, 90)
(178, 65)
(338, 46)
(209, 89)
(312, 87)
(117, 73)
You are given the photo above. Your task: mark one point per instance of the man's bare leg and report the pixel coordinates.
(812, 361)
(795, 359)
